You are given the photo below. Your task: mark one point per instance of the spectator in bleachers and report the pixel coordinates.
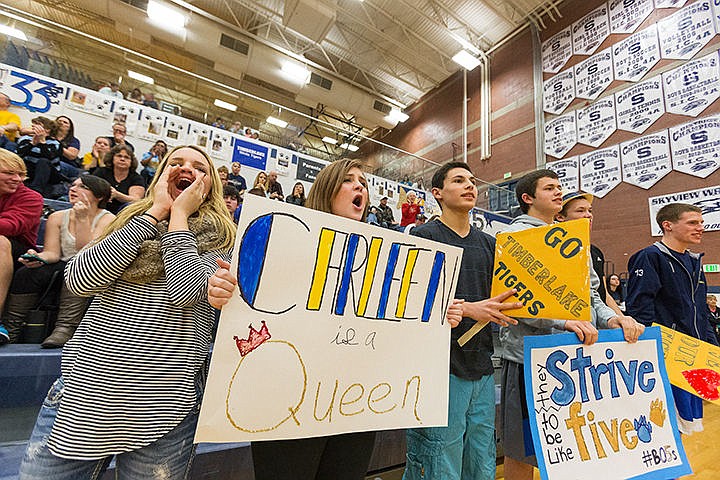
(385, 214)
(136, 96)
(223, 172)
(372, 218)
(219, 123)
(112, 89)
(410, 209)
(119, 131)
(151, 159)
(41, 153)
(9, 123)
(248, 133)
(259, 191)
(274, 189)
(149, 101)
(233, 202)
(261, 182)
(133, 373)
(66, 233)
(95, 158)
(70, 147)
(236, 128)
(237, 180)
(20, 211)
(121, 172)
(298, 195)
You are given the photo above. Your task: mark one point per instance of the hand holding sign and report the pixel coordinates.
(489, 310)
(221, 285)
(632, 329)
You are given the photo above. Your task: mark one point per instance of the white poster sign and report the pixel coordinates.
(557, 50)
(602, 411)
(559, 92)
(176, 130)
(590, 31)
(686, 31)
(695, 146)
(627, 15)
(646, 160)
(39, 94)
(640, 106)
(560, 135)
(199, 134)
(669, 3)
(151, 124)
(707, 198)
(693, 86)
(634, 56)
(128, 114)
(593, 75)
(347, 329)
(86, 101)
(568, 172)
(221, 144)
(600, 171)
(716, 14)
(596, 122)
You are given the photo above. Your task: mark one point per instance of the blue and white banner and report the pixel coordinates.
(686, 31)
(596, 122)
(559, 92)
(695, 146)
(627, 15)
(669, 3)
(600, 171)
(250, 154)
(568, 172)
(560, 135)
(640, 106)
(592, 76)
(707, 198)
(646, 160)
(634, 56)
(556, 51)
(692, 87)
(590, 31)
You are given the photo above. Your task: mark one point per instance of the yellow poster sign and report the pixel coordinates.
(692, 364)
(549, 266)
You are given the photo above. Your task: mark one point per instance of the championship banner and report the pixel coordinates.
(336, 326)
(640, 106)
(590, 31)
(593, 75)
(602, 411)
(568, 172)
(695, 146)
(557, 50)
(707, 198)
(716, 13)
(560, 135)
(692, 87)
(558, 92)
(596, 122)
(691, 364)
(549, 266)
(687, 31)
(600, 171)
(634, 56)
(627, 15)
(669, 3)
(646, 160)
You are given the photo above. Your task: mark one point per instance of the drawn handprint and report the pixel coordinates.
(657, 412)
(643, 429)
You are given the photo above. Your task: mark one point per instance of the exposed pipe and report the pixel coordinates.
(464, 117)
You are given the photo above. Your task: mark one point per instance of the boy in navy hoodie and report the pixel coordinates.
(667, 286)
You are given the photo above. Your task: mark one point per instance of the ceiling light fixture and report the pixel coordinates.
(165, 15)
(276, 121)
(297, 72)
(13, 32)
(396, 115)
(330, 140)
(466, 59)
(140, 77)
(467, 45)
(349, 146)
(225, 105)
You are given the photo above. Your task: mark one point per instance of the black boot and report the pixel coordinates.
(16, 308)
(72, 309)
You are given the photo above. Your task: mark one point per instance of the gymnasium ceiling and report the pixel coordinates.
(393, 50)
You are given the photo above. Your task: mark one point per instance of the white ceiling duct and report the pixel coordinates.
(235, 55)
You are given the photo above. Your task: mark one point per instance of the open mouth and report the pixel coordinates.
(358, 201)
(183, 183)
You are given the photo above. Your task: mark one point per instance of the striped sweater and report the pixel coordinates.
(129, 370)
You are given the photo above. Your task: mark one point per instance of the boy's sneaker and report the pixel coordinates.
(4, 337)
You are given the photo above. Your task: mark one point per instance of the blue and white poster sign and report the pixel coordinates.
(604, 410)
(590, 31)
(568, 172)
(707, 198)
(560, 135)
(559, 92)
(39, 94)
(250, 154)
(627, 15)
(86, 101)
(692, 87)
(646, 160)
(556, 51)
(221, 144)
(600, 171)
(199, 134)
(695, 146)
(150, 125)
(640, 106)
(596, 122)
(593, 75)
(176, 130)
(669, 3)
(716, 14)
(634, 56)
(686, 31)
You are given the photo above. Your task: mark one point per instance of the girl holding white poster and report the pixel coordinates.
(133, 374)
(340, 189)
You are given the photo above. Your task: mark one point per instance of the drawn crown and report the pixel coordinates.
(254, 340)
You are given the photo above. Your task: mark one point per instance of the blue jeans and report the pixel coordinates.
(169, 457)
(463, 450)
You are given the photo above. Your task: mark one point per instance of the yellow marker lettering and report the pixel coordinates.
(405, 282)
(322, 262)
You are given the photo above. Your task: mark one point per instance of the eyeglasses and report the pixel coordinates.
(122, 155)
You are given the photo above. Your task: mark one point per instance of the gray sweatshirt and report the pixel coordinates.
(512, 337)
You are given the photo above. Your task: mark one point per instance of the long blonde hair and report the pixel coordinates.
(328, 183)
(213, 206)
